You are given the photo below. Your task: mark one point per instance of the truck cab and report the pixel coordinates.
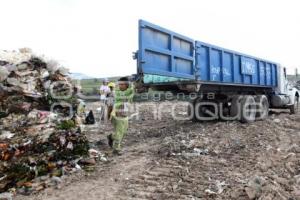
(286, 96)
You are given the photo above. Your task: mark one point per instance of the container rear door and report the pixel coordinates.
(164, 53)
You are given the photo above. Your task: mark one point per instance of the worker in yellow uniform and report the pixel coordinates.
(119, 115)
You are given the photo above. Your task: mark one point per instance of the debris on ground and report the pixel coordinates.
(220, 160)
(234, 161)
(6, 196)
(38, 138)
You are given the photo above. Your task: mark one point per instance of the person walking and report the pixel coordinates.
(119, 115)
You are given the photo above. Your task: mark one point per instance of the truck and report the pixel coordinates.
(225, 84)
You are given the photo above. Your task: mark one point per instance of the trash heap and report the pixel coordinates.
(36, 137)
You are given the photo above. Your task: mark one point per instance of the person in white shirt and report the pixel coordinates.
(104, 90)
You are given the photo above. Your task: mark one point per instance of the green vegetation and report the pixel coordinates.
(67, 125)
(91, 86)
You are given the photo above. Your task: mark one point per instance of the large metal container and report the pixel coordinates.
(166, 56)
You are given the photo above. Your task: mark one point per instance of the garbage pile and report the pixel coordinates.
(38, 136)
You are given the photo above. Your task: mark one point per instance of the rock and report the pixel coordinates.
(56, 180)
(251, 192)
(254, 187)
(236, 193)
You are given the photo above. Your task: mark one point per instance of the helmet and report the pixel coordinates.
(111, 84)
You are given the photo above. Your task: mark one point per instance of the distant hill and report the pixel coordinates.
(293, 78)
(79, 76)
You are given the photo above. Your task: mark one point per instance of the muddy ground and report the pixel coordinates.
(170, 159)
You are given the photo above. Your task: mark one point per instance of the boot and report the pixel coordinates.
(117, 152)
(110, 140)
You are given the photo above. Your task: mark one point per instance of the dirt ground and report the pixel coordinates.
(170, 159)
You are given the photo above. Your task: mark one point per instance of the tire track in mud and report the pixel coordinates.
(165, 177)
(174, 178)
(241, 154)
(155, 183)
(156, 180)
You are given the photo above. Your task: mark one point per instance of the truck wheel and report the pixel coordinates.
(203, 110)
(191, 111)
(248, 109)
(294, 108)
(262, 107)
(235, 108)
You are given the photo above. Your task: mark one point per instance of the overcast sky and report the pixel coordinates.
(97, 37)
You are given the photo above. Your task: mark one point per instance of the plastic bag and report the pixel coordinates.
(90, 119)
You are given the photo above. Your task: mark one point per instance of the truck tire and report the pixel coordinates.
(235, 108)
(294, 108)
(191, 111)
(248, 109)
(201, 110)
(262, 107)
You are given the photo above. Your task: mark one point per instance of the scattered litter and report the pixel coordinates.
(196, 152)
(97, 155)
(277, 120)
(220, 185)
(6, 135)
(210, 192)
(90, 119)
(201, 151)
(6, 196)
